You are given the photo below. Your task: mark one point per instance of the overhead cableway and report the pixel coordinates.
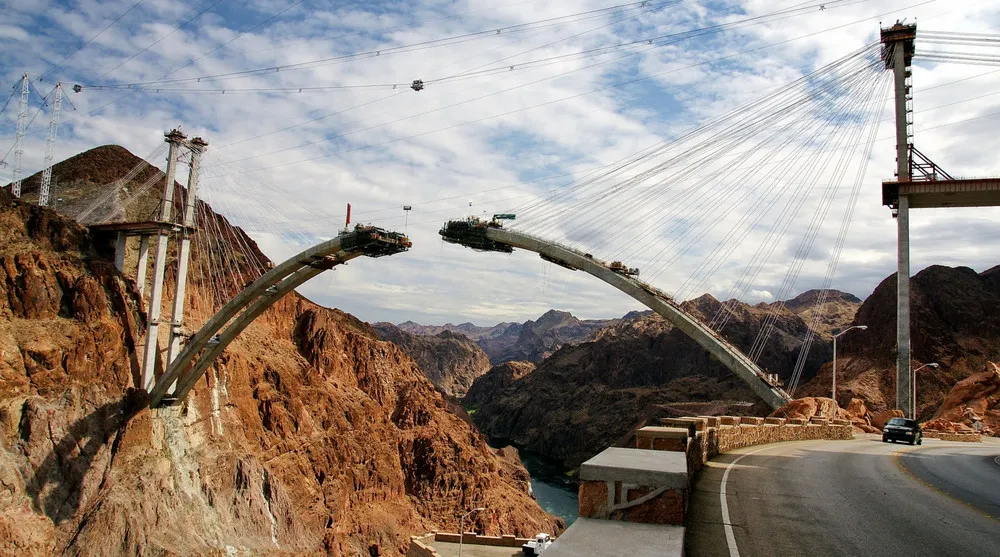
(491, 236)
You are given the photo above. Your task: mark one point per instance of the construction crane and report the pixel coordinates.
(43, 190)
(22, 124)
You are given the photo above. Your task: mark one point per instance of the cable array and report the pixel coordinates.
(751, 176)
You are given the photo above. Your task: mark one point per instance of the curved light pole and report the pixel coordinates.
(914, 404)
(834, 388)
(461, 528)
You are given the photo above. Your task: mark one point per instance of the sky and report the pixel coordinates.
(307, 105)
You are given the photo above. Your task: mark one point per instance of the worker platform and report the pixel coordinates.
(928, 194)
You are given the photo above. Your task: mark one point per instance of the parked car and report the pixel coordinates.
(538, 545)
(903, 429)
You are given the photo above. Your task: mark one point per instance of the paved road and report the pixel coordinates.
(860, 497)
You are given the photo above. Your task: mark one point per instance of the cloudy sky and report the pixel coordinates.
(307, 106)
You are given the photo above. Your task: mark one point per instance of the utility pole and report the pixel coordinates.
(43, 190)
(22, 124)
(897, 52)
(197, 147)
(175, 138)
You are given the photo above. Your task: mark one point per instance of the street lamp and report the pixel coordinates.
(834, 388)
(914, 405)
(461, 528)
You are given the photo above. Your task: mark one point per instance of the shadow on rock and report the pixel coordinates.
(57, 485)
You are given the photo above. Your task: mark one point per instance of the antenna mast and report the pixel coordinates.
(43, 191)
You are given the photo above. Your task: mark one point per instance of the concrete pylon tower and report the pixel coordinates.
(897, 51)
(197, 147)
(176, 139)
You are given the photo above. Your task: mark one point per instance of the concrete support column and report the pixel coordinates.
(175, 139)
(903, 233)
(903, 388)
(197, 146)
(140, 270)
(120, 245)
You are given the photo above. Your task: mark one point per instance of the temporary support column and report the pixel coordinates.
(121, 242)
(898, 53)
(175, 138)
(140, 270)
(197, 146)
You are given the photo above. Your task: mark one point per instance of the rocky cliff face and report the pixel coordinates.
(308, 436)
(499, 377)
(530, 341)
(586, 397)
(469, 330)
(450, 360)
(836, 311)
(955, 322)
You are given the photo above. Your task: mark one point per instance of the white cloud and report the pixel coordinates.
(490, 148)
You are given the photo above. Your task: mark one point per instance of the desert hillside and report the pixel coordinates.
(955, 322)
(309, 436)
(588, 396)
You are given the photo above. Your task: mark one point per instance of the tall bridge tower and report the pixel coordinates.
(919, 184)
(897, 52)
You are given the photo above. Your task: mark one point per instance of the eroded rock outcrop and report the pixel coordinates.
(499, 377)
(977, 396)
(592, 395)
(450, 360)
(955, 316)
(310, 435)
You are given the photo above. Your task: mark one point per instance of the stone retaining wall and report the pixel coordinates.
(420, 549)
(733, 432)
(948, 436)
(472, 538)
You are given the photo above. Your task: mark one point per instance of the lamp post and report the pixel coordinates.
(834, 388)
(914, 405)
(461, 528)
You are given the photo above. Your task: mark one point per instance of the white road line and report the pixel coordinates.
(730, 536)
(997, 460)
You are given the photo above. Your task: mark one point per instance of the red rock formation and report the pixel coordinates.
(980, 393)
(956, 323)
(592, 395)
(879, 419)
(497, 378)
(450, 360)
(310, 435)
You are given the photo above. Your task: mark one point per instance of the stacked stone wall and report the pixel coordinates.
(420, 549)
(948, 436)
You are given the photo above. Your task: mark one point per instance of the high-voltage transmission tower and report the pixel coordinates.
(22, 124)
(43, 190)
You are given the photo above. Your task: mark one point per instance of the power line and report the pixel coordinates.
(563, 99)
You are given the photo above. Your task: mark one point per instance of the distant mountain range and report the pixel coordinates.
(530, 341)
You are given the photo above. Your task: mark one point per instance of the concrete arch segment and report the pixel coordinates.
(222, 328)
(725, 352)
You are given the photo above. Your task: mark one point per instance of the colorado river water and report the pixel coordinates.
(552, 488)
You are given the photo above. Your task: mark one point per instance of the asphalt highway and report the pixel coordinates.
(850, 498)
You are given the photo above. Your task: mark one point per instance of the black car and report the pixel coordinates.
(903, 429)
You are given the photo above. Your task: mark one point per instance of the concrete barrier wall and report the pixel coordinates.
(419, 549)
(472, 538)
(946, 436)
(734, 432)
